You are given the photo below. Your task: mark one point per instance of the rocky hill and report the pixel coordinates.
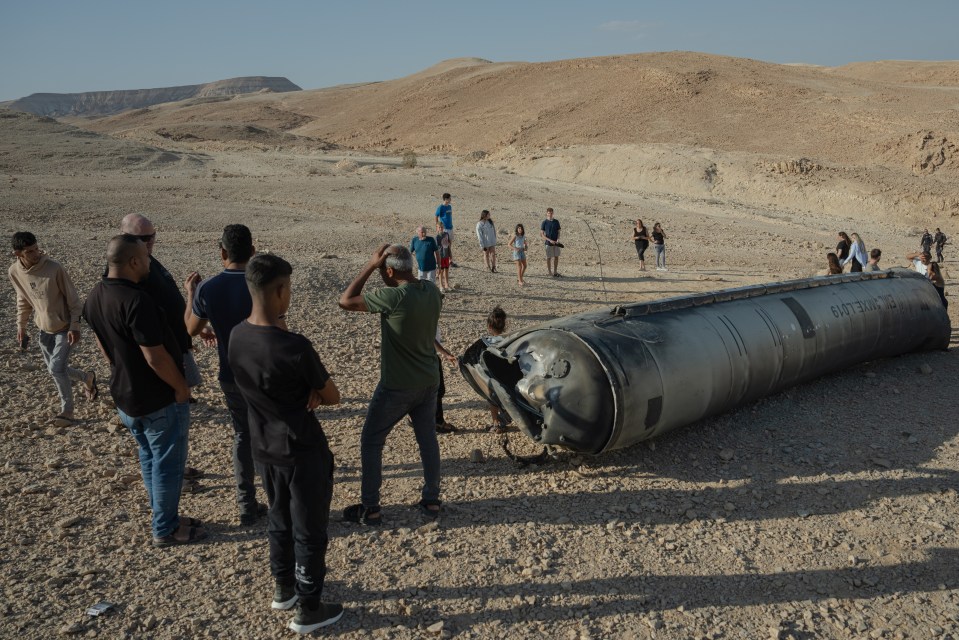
(876, 137)
(100, 103)
(37, 145)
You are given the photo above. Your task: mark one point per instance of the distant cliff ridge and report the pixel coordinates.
(101, 103)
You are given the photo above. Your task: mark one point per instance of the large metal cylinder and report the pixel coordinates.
(607, 379)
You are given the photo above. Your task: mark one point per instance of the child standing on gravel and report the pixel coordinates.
(283, 380)
(444, 243)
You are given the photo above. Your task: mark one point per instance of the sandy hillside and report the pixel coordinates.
(873, 139)
(826, 511)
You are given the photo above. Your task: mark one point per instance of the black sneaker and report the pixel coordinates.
(363, 515)
(284, 596)
(248, 518)
(309, 619)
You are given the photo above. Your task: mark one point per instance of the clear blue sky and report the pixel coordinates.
(89, 45)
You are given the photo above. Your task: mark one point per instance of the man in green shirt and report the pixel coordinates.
(409, 312)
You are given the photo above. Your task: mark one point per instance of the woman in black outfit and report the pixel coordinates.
(842, 249)
(641, 238)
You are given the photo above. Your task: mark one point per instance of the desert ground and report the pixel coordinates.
(828, 511)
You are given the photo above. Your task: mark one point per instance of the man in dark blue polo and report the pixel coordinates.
(224, 301)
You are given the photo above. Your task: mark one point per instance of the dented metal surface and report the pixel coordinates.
(607, 379)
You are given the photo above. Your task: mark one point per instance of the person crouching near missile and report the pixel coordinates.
(833, 268)
(495, 327)
(873, 264)
(282, 379)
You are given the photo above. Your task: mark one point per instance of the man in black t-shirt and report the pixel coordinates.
(162, 287)
(283, 380)
(146, 382)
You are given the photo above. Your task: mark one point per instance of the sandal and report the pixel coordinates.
(192, 473)
(195, 535)
(62, 421)
(187, 521)
(190, 486)
(363, 515)
(432, 514)
(445, 427)
(92, 390)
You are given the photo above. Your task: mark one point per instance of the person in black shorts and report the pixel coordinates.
(283, 380)
(641, 239)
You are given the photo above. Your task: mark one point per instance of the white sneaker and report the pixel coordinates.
(284, 597)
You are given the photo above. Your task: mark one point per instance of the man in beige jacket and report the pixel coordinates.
(45, 290)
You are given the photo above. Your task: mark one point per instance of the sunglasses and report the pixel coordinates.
(148, 237)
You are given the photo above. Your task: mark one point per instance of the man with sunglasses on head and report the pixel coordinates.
(165, 292)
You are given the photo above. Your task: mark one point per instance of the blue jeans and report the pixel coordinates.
(162, 437)
(660, 254)
(56, 354)
(387, 407)
(190, 370)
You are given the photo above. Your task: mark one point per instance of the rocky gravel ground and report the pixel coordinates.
(826, 511)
